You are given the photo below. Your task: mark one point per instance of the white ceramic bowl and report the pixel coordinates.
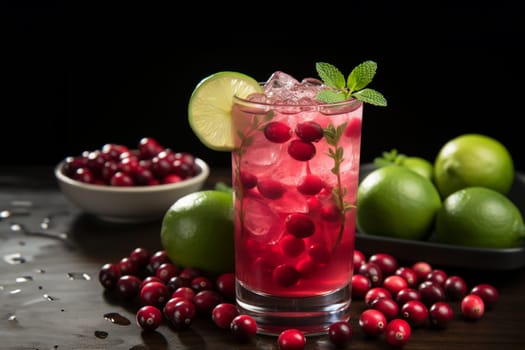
(128, 204)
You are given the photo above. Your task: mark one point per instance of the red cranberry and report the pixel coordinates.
(372, 322)
(158, 258)
(176, 282)
(358, 260)
(154, 293)
(183, 314)
(277, 132)
(360, 286)
(223, 314)
(225, 284)
(311, 185)
(438, 276)
(127, 266)
(84, 175)
(309, 131)
(205, 300)
(440, 314)
(340, 333)
(149, 147)
(243, 327)
(301, 150)
(121, 179)
(373, 272)
(455, 288)
(291, 339)
(113, 150)
(129, 165)
(386, 262)
(128, 286)
(73, 163)
(149, 317)
(201, 283)
(330, 212)
(161, 166)
(487, 292)
(376, 292)
(398, 333)
(171, 179)
(248, 180)
(300, 225)
(190, 273)
(285, 275)
(407, 294)
(166, 271)
(414, 312)
(108, 275)
(306, 266)
(108, 170)
(387, 306)
(422, 269)
(408, 274)
(169, 308)
(149, 279)
(140, 256)
(270, 188)
(394, 284)
(184, 292)
(431, 292)
(472, 306)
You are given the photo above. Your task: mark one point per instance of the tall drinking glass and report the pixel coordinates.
(295, 170)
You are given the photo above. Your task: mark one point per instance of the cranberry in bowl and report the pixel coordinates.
(119, 184)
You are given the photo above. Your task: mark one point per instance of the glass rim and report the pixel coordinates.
(351, 101)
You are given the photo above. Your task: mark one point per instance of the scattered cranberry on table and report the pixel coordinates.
(148, 164)
(396, 298)
(291, 339)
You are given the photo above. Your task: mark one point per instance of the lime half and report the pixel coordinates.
(209, 109)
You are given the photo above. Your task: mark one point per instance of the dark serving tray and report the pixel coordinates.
(446, 254)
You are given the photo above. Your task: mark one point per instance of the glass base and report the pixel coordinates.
(311, 315)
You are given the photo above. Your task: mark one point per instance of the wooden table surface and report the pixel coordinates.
(50, 297)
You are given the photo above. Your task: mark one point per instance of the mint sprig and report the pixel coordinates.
(355, 86)
(393, 157)
(336, 152)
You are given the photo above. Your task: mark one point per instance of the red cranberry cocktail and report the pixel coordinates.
(295, 168)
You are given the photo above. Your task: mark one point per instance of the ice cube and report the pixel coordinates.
(290, 202)
(279, 81)
(260, 219)
(282, 88)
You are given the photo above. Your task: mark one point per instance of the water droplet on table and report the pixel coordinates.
(14, 258)
(78, 276)
(117, 318)
(23, 279)
(49, 297)
(101, 334)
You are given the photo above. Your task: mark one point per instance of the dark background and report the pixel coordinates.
(75, 78)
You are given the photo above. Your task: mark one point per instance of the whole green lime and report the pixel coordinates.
(479, 217)
(197, 231)
(420, 165)
(473, 160)
(397, 202)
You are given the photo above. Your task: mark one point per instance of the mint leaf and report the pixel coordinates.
(353, 87)
(331, 96)
(390, 158)
(370, 96)
(330, 75)
(362, 75)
